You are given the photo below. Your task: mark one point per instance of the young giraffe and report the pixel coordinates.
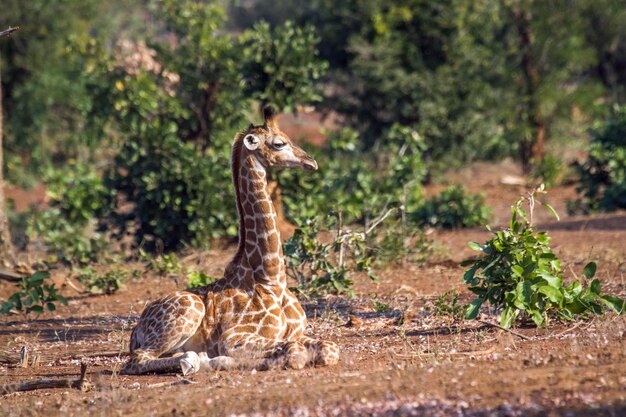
(249, 318)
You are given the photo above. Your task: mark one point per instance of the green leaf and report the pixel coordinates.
(473, 308)
(555, 282)
(590, 270)
(467, 262)
(552, 210)
(508, 316)
(614, 303)
(518, 270)
(594, 288)
(576, 306)
(475, 246)
(537, 317)
(36, 309)
(469, 274)
(523, 293)
(552, 293)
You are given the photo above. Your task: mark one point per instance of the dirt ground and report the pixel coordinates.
(404, 361)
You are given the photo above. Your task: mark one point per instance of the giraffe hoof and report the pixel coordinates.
(190, 363)
(297, 361)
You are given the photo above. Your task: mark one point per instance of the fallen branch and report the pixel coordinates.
(8, 31)
(182, 381)
(554, 336)
(9, 360)
(10, 276)
(505, 329)
(419, 355)
(81, 383)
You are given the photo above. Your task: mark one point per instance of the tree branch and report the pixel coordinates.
(8, 31)
(81, 383)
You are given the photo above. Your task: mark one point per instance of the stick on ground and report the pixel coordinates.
(9, 360)
(81, 383)
(505, 329)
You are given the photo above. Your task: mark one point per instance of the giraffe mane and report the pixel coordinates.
(235, 164)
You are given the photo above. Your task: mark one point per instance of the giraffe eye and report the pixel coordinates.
(279, 145)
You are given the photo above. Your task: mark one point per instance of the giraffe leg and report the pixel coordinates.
(321, 352)
(163, 328)
(145, 361)
(252, 351)
(297, 355)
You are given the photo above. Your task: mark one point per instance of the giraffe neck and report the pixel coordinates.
(259, 248)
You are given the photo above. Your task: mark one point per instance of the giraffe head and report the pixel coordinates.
(272, 147)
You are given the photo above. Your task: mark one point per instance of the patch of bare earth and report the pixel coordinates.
(404, 361)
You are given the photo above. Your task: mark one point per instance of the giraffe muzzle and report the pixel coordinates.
(309, 164)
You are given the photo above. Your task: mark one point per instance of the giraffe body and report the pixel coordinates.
(249, 318)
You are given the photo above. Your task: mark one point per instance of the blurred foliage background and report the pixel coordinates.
(125, 110)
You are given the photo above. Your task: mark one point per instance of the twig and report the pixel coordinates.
(10, 276)
(380, 220)
(505, 329)
(81, 383)
(8, 31)
(577, 325)
(108, 354)
(69, 282)
(417, 355)
(340, 236)
(182, 381)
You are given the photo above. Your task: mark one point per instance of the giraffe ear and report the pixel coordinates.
(251, 142)
(268, 117)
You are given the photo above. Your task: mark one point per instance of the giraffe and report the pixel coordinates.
(248, 318)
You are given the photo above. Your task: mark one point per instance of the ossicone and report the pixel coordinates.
(268, 116)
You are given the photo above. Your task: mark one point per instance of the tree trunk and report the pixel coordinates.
(532, 149)
(7, 256)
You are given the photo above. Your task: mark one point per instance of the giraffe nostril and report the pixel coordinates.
(310, 164)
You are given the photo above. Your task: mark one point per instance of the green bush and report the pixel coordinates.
(519, 273)
(199, 279)
(166, 264)
(319, 268)
(107, 282)
(171, 109)
(452, 208)
(363, 185)
(68, 228)
(34, 296)
(602, 176)
(550, 171)
(280, 65)
(179, 197)
(67, 242)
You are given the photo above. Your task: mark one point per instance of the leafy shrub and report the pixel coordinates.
(79, 192)
(447, 305)
(166, 264)
(397, 244)
(172, 109)
(452, 208)
(179, 197)
(361, 184)
(78, 198)
(67, 242)
(35, 295)
(549, 170)
(199, 279)
(519, 273)
(107, 282)
(602, 176)
(320, 268)
(286, 57)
